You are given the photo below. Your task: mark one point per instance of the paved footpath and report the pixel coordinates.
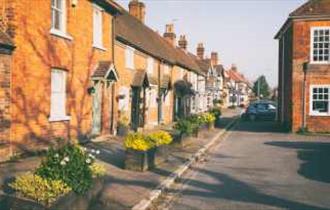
(257, 167)
(123, 188)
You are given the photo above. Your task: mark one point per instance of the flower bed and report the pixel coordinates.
(67, 171)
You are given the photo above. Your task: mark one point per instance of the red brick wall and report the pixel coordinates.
(5, 62)
(36, 54)
(317, 74)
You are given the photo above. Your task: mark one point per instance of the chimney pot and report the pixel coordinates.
(137, 9)
(183, 42)
(169, 34)
(214, 58)
(200, 51)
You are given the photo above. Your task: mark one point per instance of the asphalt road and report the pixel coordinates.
(257, 167)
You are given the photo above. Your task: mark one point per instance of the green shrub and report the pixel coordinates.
(42, 190)
(137, 141)
(69, 164)
(185, 127)
(216, 112)
(160, 138)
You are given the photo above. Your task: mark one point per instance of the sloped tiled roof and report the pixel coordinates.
(312, 8)
(102, 69)
(133, 32)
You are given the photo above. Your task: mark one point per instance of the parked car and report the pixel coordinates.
(260, 110)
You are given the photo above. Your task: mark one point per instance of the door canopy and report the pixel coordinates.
(105, 71)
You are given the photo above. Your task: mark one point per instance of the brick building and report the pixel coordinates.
(304, 68)
(6, 49)
(62, 69)
(149, 66)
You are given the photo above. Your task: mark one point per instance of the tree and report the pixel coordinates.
(261, 87)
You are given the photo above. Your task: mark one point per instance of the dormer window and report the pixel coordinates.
(320, 41)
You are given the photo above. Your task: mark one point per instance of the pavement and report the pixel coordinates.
(257, 166)
(123, 189)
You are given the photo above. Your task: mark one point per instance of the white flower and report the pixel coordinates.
(62, 163)
(66, 159)
(56, 155)
(98, 152)
(93, 150)
(88, 161)
(85, 149)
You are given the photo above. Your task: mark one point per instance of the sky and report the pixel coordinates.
(241, 31)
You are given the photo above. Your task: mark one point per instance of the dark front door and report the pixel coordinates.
(138, 107)
(135, 113)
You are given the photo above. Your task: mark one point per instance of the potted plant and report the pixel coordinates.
(123, 125)
(196, 123)
(208, 119)
(161, 140)
(185, 129)
(217, 114)
(137, 149)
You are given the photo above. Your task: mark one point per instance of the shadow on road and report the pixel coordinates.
(315, 157)
(259, 127)
(232, 189)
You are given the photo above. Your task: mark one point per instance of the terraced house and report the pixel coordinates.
(62, 73)
(304, 68)
(78, 69)
(153, 71)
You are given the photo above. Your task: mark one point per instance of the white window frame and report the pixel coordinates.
(62, 31)
(129, 57)
(98, 27)
(312, 45)
(311, 111)
(58, 108)
(150, 65)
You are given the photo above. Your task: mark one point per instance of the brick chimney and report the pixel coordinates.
(200, 51)
(234, 67)
(169, 34)
(183, 43)
(137, 9)
(214, 58)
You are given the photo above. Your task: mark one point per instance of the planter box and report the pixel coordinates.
(161, 154)
(210, 126)
(184, 139)
(70, 201)
(137, 160)
(122, 130)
